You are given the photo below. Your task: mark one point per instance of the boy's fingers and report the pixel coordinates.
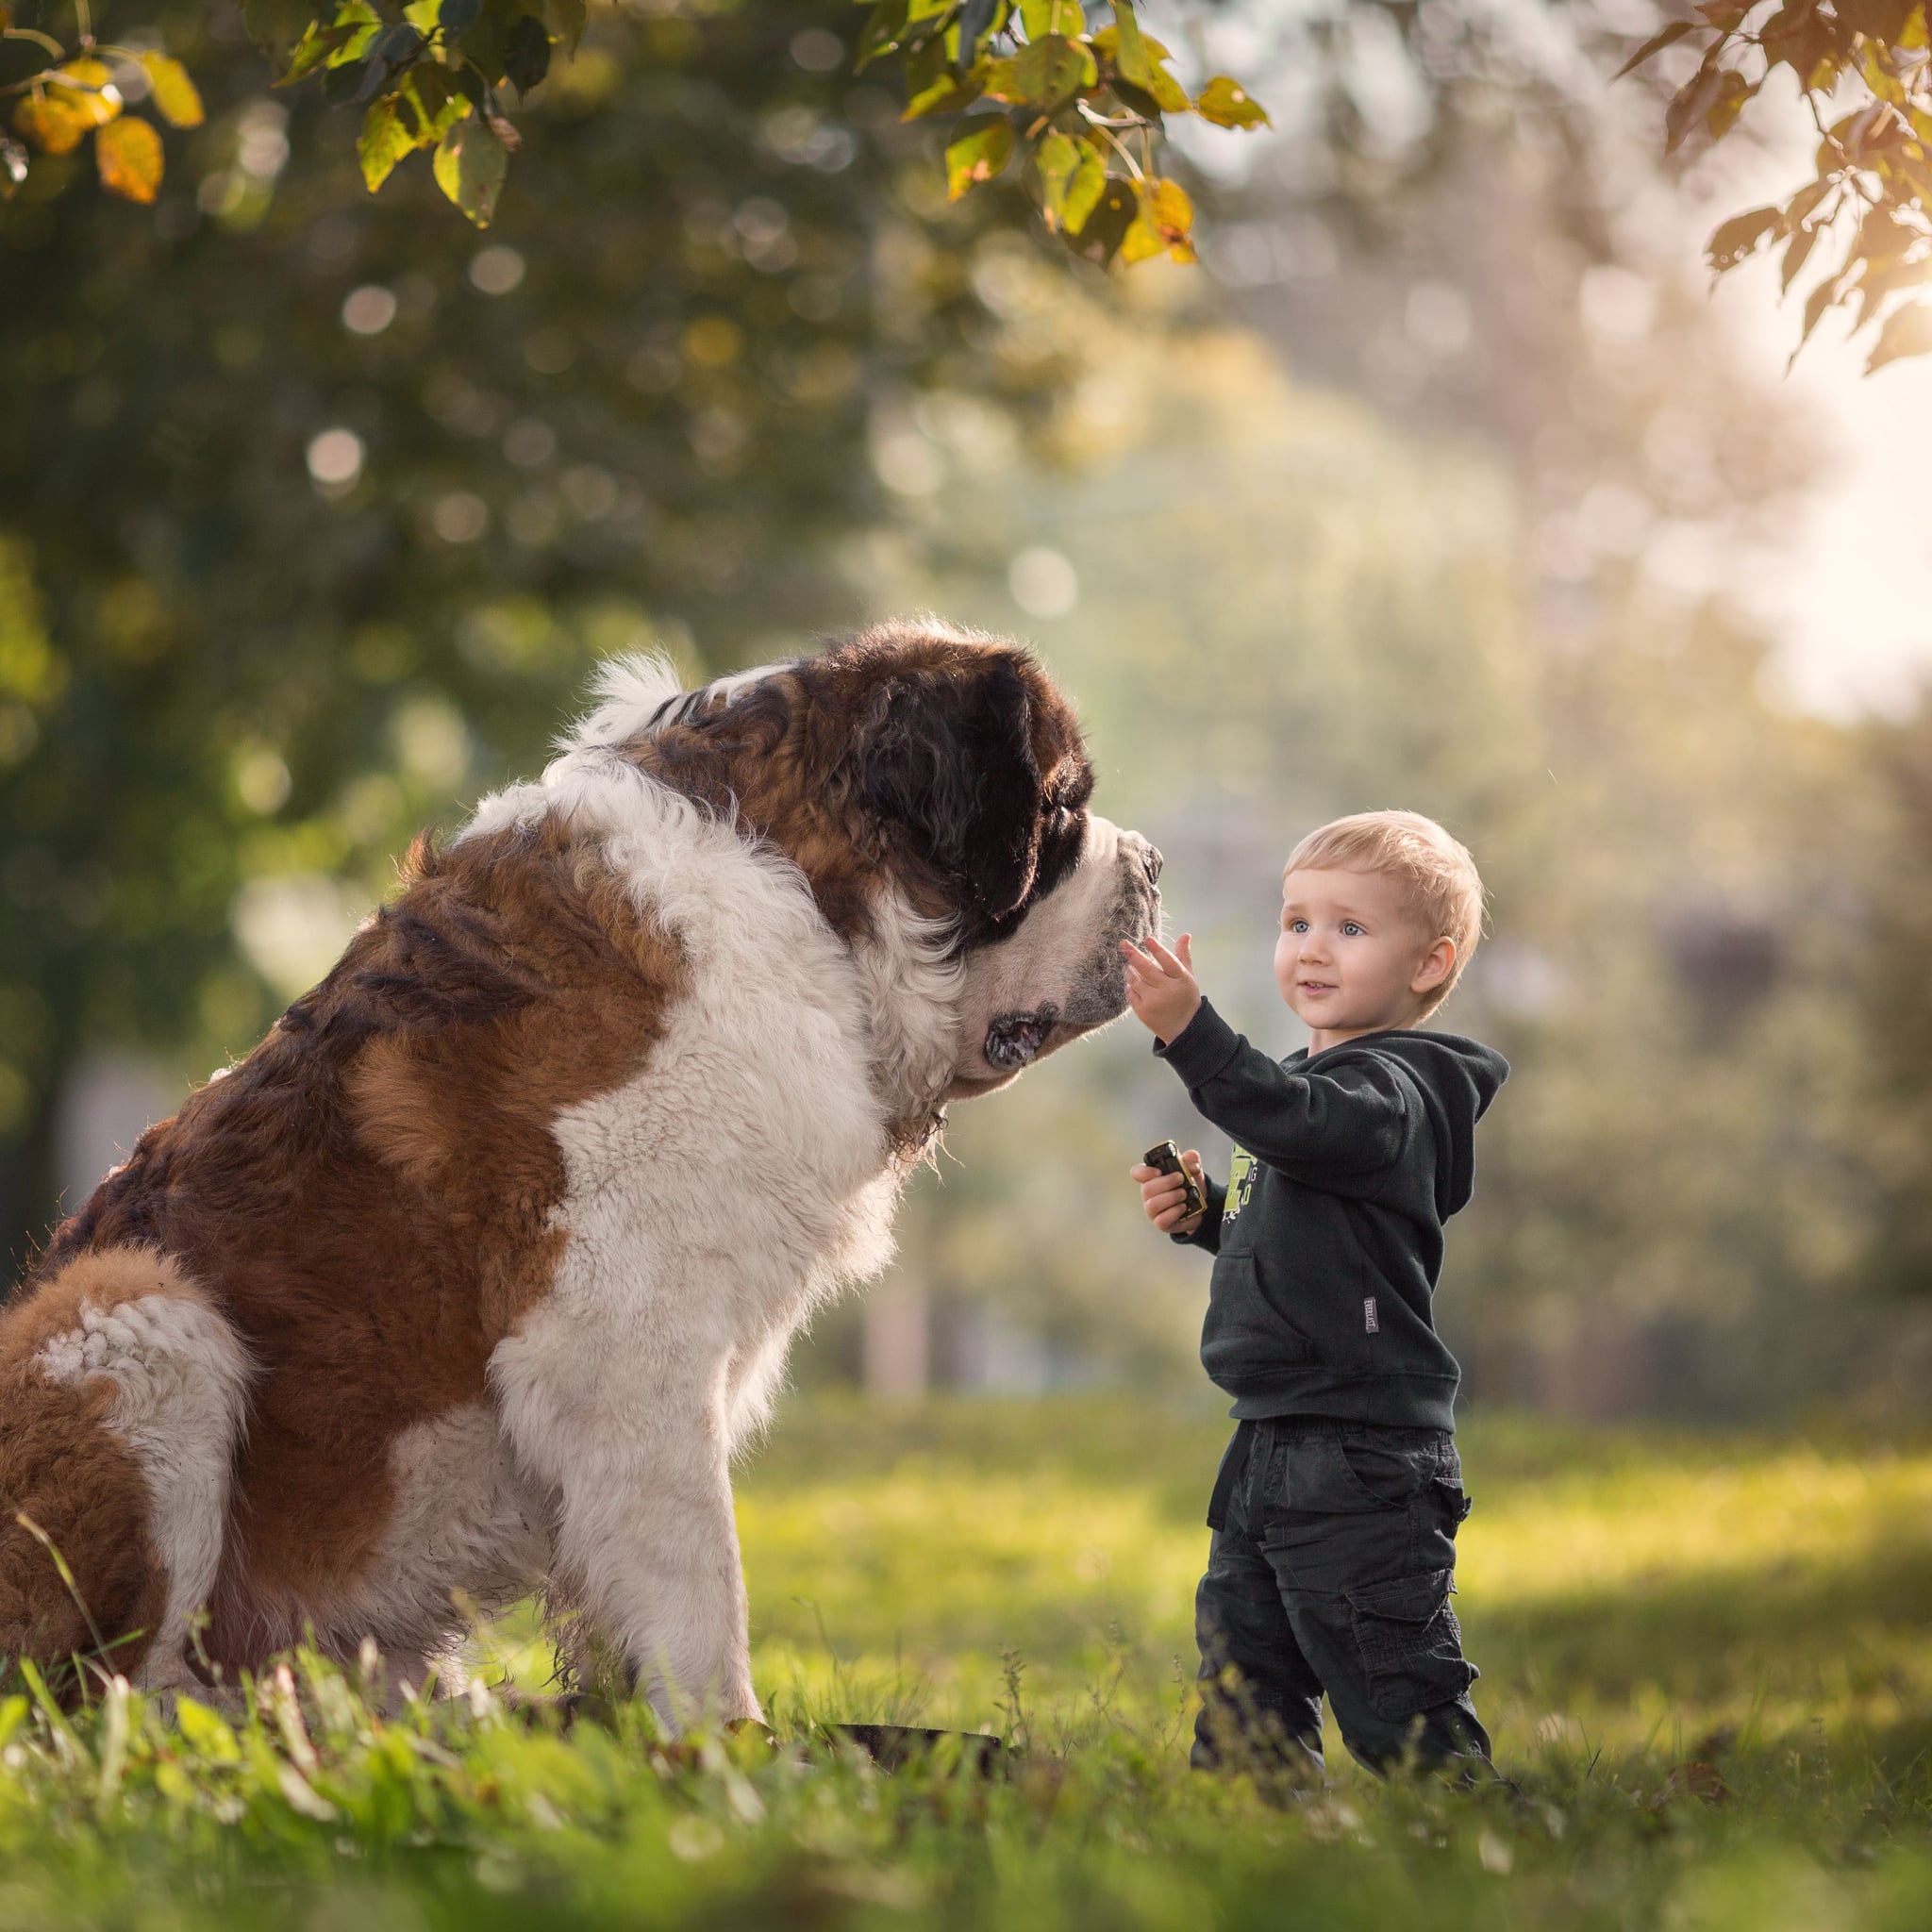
(1139, 1171)
(1185, 950)
(1168, 962)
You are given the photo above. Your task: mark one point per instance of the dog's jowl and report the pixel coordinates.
(466, 1281)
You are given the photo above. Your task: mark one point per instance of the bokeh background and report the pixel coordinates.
(1443, 482)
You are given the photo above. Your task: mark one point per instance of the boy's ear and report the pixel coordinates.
(1437, 963)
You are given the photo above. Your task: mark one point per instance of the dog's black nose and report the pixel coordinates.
(1151, 858)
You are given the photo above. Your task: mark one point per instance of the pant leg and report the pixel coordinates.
(1260, 1701)
(1360, 1532)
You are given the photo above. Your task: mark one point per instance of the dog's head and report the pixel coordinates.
(935, 770)
(972, 768)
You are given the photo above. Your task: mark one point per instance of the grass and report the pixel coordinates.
(1638, 1602)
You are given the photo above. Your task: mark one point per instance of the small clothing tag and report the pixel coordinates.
(1369, 1320)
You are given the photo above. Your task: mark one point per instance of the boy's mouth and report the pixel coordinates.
(1318, 986)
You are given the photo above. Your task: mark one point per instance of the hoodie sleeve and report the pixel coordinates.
(1344, 1121)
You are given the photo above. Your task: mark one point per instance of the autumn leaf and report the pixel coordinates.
(1163, 224)
(1228, 104)
(78, 98)
(175, 96)
(129, 153)
(1667, 37)
(471, 164)
(978, 155)
(1741, 235)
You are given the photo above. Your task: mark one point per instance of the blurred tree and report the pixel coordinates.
(1899, 1009)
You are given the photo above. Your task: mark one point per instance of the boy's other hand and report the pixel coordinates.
(1161, 1194)
(1162, 986)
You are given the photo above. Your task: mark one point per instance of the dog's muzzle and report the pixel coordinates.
(1017, 1039)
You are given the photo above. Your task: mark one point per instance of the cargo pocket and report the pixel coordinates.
(1410, 1644)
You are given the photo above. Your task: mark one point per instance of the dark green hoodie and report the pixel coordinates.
(1328, 1235)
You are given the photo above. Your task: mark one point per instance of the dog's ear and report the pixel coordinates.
(949, 757)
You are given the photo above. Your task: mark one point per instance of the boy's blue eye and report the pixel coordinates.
(1350, 928)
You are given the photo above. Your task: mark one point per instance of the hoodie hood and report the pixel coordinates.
(1458, 1077)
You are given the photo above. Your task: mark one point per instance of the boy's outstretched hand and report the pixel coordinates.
(1162, 986)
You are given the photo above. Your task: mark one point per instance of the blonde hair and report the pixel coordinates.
(1438, 876)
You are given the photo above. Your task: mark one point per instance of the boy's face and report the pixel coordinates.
(1350, 958)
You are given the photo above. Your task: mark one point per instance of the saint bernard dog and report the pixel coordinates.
(470, 1277)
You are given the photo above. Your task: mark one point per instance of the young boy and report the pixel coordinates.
(1336, 1508)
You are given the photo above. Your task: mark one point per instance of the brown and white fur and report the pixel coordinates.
(472, 1276)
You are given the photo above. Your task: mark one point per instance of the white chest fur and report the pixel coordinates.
(710, 1202)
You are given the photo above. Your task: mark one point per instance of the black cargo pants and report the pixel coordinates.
(1332, 1558)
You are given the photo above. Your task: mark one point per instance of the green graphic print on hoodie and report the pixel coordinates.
(1328, 1235)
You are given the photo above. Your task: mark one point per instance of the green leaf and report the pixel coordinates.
(1115, 210)
(1228, 104)
(1085, 190)
(1056, 157)
(1742, 236)
(884, 32)
(177, 98)
(129, 153)
(1042, 17)
(1042, 73)
(315, 48)
(933, 83)
(438, 98)
(470, 166)
(386, 138)
(1908, 331)
(456, 16)
(527, 55)
(1666, 37)
(1131, 59)
(978, 155)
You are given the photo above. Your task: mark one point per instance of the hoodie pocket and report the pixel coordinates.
(1247, 1332)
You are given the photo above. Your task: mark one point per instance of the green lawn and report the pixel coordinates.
(1636, 1601)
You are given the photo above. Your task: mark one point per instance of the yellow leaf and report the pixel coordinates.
(75, 98)
(1163, 224)
(175, 94)
(128, 153)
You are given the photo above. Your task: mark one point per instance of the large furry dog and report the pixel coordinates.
(468, 1279)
